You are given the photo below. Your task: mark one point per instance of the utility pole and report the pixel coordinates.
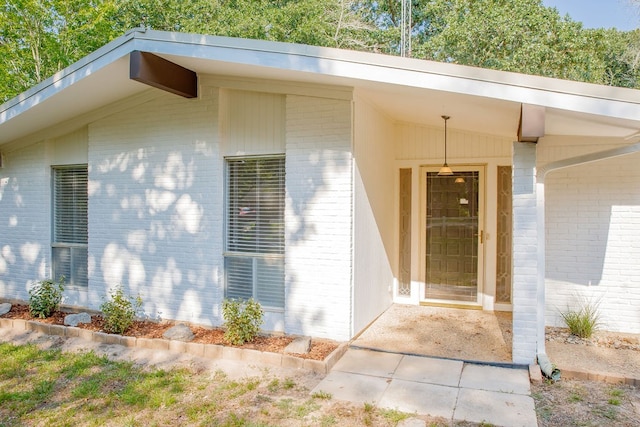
(405, 29)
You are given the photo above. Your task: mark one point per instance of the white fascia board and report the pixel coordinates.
(66, 77)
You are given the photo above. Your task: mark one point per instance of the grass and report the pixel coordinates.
(321, 395)
(584, 320)
(585, 403)
(49, 387)
(615, 397)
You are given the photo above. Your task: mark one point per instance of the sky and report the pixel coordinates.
(618, 14)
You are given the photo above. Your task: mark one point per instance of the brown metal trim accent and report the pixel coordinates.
(160, 73)
(531, 126)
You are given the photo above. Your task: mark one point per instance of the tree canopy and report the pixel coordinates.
(40, 37)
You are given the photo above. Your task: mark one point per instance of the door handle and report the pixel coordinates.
(480, 234)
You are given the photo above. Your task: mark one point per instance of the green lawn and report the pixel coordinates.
(49, 387)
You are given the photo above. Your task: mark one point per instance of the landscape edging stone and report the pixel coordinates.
(211, 351)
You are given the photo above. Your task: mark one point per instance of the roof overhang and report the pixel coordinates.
(479, 100)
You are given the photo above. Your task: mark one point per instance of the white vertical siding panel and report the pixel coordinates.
(417, 142)
(254, 123)
(71, 148)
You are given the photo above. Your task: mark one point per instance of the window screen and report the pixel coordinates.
(254, 259)
(69, 248)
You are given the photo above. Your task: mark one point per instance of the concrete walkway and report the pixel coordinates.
(452, 389)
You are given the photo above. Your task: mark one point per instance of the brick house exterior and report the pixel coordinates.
(349, 126)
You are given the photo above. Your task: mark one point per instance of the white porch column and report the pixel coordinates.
(525, 253)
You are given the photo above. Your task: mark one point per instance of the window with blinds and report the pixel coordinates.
(69, 247)
(254, 257)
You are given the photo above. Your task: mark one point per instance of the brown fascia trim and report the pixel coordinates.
(160, 73)
(531, 126)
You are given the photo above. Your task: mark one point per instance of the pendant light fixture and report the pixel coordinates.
(445, 170)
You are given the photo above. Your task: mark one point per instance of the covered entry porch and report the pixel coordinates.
(450, 333)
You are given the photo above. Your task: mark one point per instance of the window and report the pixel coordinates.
(69, 248)
(254, 257)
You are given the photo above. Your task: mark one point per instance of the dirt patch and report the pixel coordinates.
(586, 403)
(606, 353)
(441, 332)
(573, 402)
(320, 348)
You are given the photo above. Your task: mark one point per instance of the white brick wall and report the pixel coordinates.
(525, 262)
(155, 207)
(593, 241)
(156, 182)
(318, 217)
(25, 221)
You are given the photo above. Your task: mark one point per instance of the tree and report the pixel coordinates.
(40, 37)
(314, 22)
(511, 35)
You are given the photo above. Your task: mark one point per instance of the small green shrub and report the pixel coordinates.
(242, 320)
(119, 311)
(45, 297)
(584, 321)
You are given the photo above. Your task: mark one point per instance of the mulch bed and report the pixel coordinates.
(320, 348)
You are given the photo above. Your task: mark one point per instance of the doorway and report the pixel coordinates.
(452, 235)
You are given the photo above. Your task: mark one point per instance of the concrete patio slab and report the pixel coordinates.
(498, 409)
(368, 362)
(353, 387)
(421, 398)
(451, 389)
(494, 378)
(429, 370)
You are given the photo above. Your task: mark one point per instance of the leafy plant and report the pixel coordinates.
(45, 297)
(242, 320)
(119, 311)
(584, 320)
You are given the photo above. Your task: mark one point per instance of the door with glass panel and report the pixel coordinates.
(452, 235)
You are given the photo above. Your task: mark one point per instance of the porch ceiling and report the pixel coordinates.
(478, 100)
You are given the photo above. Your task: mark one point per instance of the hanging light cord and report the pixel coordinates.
(445, 138)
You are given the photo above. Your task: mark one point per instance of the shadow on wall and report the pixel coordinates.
(593, 226)
(156, 210)
(24, 221)
(152, 223)
(592, 222)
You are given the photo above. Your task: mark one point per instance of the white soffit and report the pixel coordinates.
(108, 85)
(564, 122)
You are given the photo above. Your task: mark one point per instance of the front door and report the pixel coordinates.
(452, 235)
